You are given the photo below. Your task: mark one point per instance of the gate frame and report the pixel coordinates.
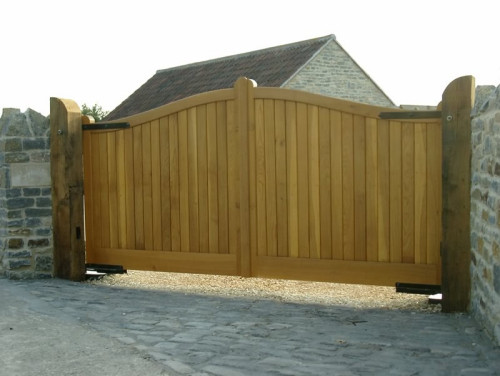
(456, 106)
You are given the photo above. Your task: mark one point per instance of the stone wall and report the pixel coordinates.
(485, 210)
(25, 195)
(353, 84)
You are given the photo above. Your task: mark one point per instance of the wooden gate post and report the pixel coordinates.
(457, 104)
(67, 189)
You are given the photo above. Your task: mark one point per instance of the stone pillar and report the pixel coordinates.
(485, 210)
(25, 196)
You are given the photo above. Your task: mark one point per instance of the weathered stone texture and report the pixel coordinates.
(352, 85)
(485, 209)
(25, 200)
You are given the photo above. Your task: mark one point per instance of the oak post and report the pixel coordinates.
(67, 189)
(244, 98)
(457, 104)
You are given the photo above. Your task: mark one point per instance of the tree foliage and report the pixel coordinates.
(95, 111)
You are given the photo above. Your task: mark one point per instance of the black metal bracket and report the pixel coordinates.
(104, 126)
(415, 288)
(107, 269)
(410, 115)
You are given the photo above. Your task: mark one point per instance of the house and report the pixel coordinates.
(319, 66)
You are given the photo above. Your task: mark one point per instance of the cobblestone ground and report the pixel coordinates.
(209, 335)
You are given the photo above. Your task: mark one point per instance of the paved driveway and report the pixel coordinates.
(61, 327)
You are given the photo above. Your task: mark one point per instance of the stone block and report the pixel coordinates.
(31, 212)
(20, 203)
(14, 214)
(43, 232)
(27, 192)
(43, 202)
(12, 144)
(38, 243)
(16, 157)
(33, 222)
(43, 263)
(18, 254)
(15, 223)
(15, 243)
(13, 193)
(34, 144)
(20, 263)
(40, 157)
(20, 231)
(30, 175)
(46, 191)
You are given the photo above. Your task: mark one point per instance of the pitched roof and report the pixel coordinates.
(270, 67)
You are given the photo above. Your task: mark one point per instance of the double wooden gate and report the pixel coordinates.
(268, 182)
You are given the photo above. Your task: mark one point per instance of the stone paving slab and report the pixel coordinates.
(189, 334)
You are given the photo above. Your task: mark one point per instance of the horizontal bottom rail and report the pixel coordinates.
(179, 262)
(339, 271)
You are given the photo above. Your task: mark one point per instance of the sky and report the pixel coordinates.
(101, 51)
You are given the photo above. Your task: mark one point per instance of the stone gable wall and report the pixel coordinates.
(353, 84)
(25, 195)
(485, 210)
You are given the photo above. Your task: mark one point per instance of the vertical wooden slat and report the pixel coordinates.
(193, 186)
(233, 178)
(270, 146)
(348, 185)
(121, 189)
(303, 179)
(175, 191)
(244, 108)
(314, 195)
(420, 193)
(408, 192)
(395, 191)
(166, 208)
(260, 146)
(291, 155)
(281, 181)
(252, 181)
(213, 205)
(383, 184)
(156, 192)
(222, 177)
(147, 186)
(371, 190)
(434, 203)
(359, 188)
(104, 188)
(112, 190)
(201, 130)
(337, 206)
(96, 192)
(130, 188)
(88, 187)
(184, 182)
(325, 206)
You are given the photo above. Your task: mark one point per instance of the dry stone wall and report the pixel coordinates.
(25, 196)
(485, 210)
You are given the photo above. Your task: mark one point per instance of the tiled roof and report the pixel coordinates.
(270, 67)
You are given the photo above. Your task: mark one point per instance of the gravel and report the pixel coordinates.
(355, 296)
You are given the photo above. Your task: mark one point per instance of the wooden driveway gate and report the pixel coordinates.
(268, 182)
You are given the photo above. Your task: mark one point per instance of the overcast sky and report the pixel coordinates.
(101, 51)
